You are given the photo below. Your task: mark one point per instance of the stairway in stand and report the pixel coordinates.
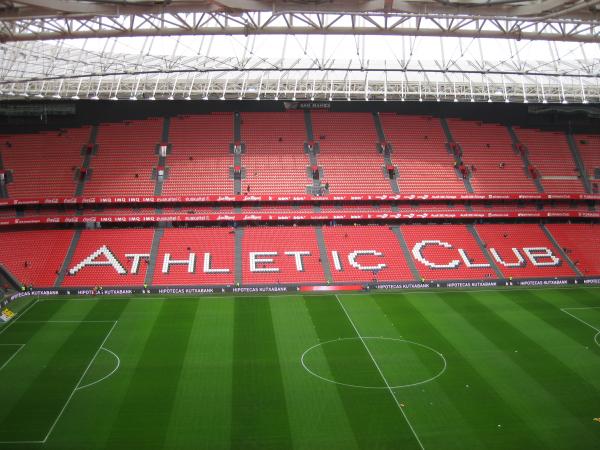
(312, 149)
(522, 150)
(390, 171)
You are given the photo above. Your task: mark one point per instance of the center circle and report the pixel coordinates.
(345, 361)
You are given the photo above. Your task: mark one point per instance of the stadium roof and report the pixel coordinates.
(466, 50)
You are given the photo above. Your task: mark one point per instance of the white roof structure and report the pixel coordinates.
(444, 50)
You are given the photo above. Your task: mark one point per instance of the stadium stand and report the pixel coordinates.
(379, 254)
(488, 152)
(282, 255)
(125, 158)
(419, 151)
(550, 156)
(200, 159)
(349, 157)
(514, 248)
(114, 263)
(195, 256)
(275, 161)
(581, 243)
(589, 149)
(35, 257)
(43, 164)
(446, 252)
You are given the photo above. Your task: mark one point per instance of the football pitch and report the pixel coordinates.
(494, 369)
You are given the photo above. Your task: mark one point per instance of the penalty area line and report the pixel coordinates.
(18, 316)
(13, 355)
(79, 382)
(105, 376)
(597, 335)
(381, 373)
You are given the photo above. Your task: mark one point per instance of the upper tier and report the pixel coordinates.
(296, 153)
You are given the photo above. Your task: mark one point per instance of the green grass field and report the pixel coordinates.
(436, 370)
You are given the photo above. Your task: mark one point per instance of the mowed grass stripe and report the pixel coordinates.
(563, 392)
(41, 311)
(372, 413)
(201, 415)
(72, 419)
(38, 407)
(547, 307)
(479, 407)
(563, 336)
(497, 371)
(317, 416)
(143, 418)
(259, 416)
(94, 412)
(579, 298)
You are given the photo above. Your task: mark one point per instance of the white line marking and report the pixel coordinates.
(373, 387)
(105, 376)
(380, 372)
(597, 335)
(14, 320)
(13, 355)
(583, 307)
(79, 382)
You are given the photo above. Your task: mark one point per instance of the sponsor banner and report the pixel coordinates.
(228, 199)
(548, 282)
(347, 287)
(212, 290)
(441, 284)
(341, 216)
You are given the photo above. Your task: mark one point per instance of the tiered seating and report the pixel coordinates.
(488, 148)
(420, 153)
(348, 155)
(125, 159)
(275, 161)
(200, 159)
(43, 164)
(516, 263)
(436, 252)
(347, 240)
(589, 150)
(549, 153)
(7, 213)
(581, 242)
(34, 257)
(101, 259)
(180, 243)
(304, 268)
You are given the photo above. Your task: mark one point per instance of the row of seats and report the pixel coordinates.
(126, 157)
(420, 153)
(589, 149)
(549, 153)
(200, 158)
(43, 164)
(271, 255)
(349, 157)
(489, 154)
(275, 162)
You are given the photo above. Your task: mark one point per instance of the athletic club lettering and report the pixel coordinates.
(367, 260)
